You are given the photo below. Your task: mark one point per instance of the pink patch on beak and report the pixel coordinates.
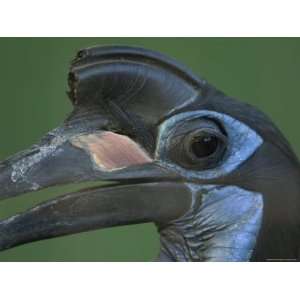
(112, 151)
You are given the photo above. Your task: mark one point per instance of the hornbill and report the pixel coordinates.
(215, 175)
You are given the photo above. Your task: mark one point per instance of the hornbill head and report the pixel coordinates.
(215, 175)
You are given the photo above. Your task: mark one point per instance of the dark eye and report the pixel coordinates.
(205, 147)
(204, 144)
(198, 145)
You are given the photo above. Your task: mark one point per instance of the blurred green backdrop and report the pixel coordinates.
(33, 72)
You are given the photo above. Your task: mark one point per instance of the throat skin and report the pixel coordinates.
(222, 225)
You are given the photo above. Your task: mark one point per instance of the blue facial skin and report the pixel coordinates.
(242, 143)
(223, 221)
(221, 225)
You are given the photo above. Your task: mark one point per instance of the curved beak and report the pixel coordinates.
(143, 191)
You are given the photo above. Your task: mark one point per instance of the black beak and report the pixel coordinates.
(142, 191)
(119, 95)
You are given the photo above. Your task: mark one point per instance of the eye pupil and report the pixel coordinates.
(201, 145)
(204, 145)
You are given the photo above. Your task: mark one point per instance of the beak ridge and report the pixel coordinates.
(144, 192)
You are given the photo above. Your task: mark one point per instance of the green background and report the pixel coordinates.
(33, 72)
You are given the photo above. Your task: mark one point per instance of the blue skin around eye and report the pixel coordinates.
(242, 143)
(231, 215)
